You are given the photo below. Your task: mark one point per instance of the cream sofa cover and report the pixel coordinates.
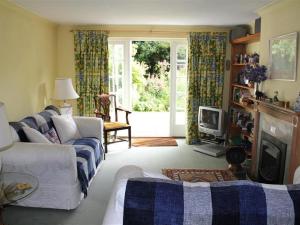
(54, 165)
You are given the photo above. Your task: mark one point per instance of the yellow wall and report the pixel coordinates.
(33, 52)
(66, 44)
(278, 19)
(28, 48)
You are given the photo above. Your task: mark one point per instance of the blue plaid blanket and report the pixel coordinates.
(150, 201)
(88, 152)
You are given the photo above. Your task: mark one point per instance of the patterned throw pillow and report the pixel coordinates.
(51, 135)
(35, 136)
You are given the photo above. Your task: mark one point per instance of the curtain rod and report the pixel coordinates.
(88, 30)
(149, 31)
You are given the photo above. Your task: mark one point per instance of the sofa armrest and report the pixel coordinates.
(47, 162)
(89, 126)
(297, 176)
(115, 207)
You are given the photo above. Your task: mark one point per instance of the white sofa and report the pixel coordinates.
(54, 165)
(115, 208)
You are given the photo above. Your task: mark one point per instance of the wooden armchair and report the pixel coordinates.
(103, 103)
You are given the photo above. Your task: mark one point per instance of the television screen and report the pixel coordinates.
(210, 119)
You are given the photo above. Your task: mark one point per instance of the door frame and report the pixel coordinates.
(175, 130)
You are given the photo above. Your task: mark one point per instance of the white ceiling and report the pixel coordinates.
(145, 12)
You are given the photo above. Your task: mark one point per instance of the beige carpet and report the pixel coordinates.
(199, 175)
(153, 141)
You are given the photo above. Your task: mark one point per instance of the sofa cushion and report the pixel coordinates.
(52, 136)
(44, 120)
(26, 122)
(40, 121)
(35, 136)
(52, 108)
(66, 128)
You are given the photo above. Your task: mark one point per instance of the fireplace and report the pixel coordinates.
(272, 159)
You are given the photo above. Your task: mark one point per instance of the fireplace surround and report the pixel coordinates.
(284, 125)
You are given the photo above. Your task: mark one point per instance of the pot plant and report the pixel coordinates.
(255, 74)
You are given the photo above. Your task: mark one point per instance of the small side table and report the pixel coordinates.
(14, 187)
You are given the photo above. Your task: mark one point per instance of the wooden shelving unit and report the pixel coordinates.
(239, 64)
(245, 107)
(242, 86)
(247, 40)
(239, 46)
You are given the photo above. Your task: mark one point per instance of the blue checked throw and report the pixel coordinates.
(150, 201)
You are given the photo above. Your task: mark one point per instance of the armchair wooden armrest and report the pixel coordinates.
(126, 111)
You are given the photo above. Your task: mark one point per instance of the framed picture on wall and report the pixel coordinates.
(283, 57)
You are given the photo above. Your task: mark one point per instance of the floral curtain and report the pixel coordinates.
(207, 51)
(91, 66)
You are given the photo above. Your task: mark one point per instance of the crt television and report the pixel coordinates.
(211, 120)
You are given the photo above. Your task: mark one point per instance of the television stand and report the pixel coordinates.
(215, 150)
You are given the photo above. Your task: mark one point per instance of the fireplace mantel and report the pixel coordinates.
(284, 114)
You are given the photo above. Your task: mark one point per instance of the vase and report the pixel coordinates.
(258, 94)
(256, 87)
(297, 104)
(250, 84)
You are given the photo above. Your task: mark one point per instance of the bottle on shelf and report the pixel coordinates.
(297, 104)
(241, 58)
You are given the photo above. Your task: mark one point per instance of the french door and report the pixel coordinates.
(120, 80)
(178, 88)
(120, 71)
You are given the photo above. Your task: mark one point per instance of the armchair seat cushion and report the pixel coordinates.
(115, 125)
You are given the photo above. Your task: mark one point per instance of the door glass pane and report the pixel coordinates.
(120, 68)
(181, 52)
(181, 84)
(180, 101)
(181, 70)
(120, 82)
(116, 70)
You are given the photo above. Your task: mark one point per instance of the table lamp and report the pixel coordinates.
(6, 140)
(63, 91)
